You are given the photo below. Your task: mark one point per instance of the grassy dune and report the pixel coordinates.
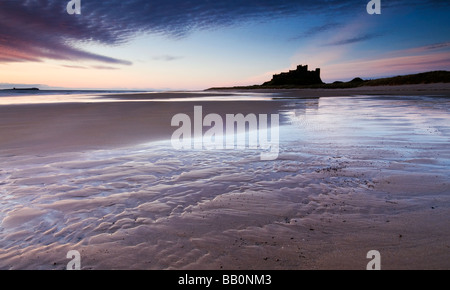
(420, 78)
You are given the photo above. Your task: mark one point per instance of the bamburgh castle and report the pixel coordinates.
(299, 77)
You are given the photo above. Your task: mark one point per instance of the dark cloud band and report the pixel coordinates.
(34, 30)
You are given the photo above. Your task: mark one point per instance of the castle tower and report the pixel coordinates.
(299, 77)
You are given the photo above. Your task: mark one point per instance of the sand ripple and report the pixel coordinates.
(335, 186)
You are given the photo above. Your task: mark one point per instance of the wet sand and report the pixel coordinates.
(354, 174)
(437, 89)
(68, 127)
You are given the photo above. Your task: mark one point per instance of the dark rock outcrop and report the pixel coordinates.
(25, 89)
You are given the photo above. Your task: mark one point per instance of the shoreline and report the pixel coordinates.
(436, 89)
(133, 118)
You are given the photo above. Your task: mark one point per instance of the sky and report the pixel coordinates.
(192, 45)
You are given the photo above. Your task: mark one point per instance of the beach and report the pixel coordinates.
(357, 170)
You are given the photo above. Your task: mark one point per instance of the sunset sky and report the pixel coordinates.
(174, 44)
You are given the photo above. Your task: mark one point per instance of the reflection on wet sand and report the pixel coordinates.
(353, 174)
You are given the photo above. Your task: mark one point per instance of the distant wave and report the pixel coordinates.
(12, 93)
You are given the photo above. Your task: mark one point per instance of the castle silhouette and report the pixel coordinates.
(299, 77)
